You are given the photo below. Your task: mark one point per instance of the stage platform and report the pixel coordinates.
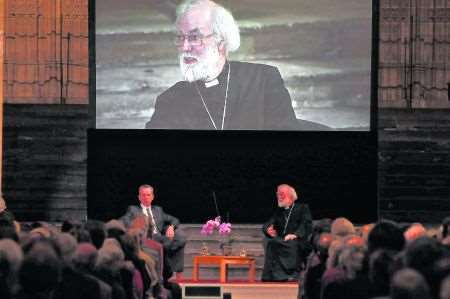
(240, 289)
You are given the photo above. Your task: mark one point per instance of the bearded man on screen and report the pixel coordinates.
(219, 94)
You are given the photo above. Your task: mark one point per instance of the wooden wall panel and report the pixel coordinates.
(414, 66)
(414, 164)
(46, 57)
(45, 156)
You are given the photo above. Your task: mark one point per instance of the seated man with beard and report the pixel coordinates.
(219, 94)
(287, 235)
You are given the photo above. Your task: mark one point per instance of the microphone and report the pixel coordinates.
(215, 203)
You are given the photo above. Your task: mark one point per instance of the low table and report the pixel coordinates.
(223, 261)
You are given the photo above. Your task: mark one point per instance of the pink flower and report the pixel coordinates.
(225, 228)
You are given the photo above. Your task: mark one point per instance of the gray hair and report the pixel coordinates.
(223, 23)
(10, 254)
(291, 190)
(408, 283)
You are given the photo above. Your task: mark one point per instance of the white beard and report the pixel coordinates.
(204, 69)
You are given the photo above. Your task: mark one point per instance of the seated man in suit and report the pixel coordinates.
(163, 228)
(287, 235)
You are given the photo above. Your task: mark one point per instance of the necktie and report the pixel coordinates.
(153, 228)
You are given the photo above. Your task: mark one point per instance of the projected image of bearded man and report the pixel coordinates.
(203, 66)
(219, 94)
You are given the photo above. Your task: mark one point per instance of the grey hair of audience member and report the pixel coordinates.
(110, 254)
(342, 227)
(66, 244)
(409, 283)
(85, 257)
(41, 269)
(11, 257)
(223, 24)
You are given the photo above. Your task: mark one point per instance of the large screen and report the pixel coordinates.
(321, 49)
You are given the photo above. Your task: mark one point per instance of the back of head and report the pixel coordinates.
(342, 227)
(415, 231)
(115, 224)
(409, 284)
(386, 235)
(422, 253)
(41, 269)
(441, 270)
(11, 257)
(97, 230)
(223, 23)
(110, 255)
(85, 257)
(66, 244)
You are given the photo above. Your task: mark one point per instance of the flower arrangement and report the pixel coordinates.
(224, 229)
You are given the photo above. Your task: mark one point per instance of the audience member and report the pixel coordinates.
(385, 235)
(40, 272)
(380, 272)
(409, 284)
(414, 231)
(97, 231)
(315, 267)
(421, 255)
(342, 227)
(441, 270)
(74, 284)
(11, 258)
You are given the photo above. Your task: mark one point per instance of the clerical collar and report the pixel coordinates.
(221, 78)
(211, 83)
(287, 208)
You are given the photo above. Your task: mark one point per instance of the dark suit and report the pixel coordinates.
(283, 259)
(173, 249)
(257, 99)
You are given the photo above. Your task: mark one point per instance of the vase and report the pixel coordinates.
(226, 249)
(204, 250)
